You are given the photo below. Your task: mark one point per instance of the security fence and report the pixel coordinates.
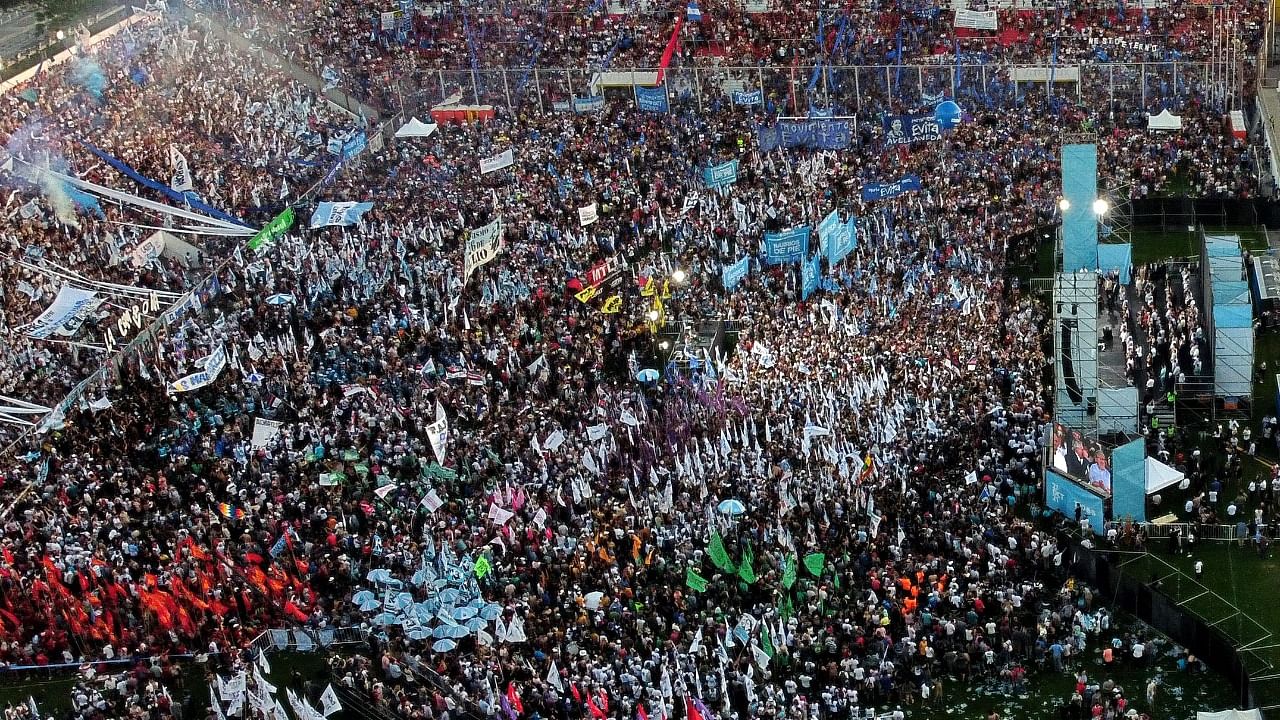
(841, 90)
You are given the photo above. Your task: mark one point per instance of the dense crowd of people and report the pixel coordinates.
(821, 515)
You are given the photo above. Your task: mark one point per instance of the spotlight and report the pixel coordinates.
(678, 276)
(1101, 206)
(664, 345)
(1064, 204)
(652, 315)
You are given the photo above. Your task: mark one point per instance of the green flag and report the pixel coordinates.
(745, 570)
(267, 236)
(789, 573)
(785, 609)
(815, 562)
(696, 582)
(766, 642)
(482, 567)
(719, 556)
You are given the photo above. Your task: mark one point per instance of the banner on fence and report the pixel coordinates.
(483, 245)
(790, 245)
(504, 159)
(1067, 74)
(652, 99)
(883, 191)
(338, 213)
(815, 134)
(588, 104)
(976, 20)
(68, 312)
(731, 275)
(716, 176)
(755, 97)
(907, 129)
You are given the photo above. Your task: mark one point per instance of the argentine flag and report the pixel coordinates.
(692, 13)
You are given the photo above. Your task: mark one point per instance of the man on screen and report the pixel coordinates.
(1099, 474)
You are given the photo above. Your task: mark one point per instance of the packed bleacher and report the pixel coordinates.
(833, 516)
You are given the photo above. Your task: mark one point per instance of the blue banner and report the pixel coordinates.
(810, 274)
(348, 146)
(1064, 495)
(339, 213)
(588, 104)
(716, 176)
(1129, 481)
(883, 191)
(907, 129)
(163, 188)
(788, 246)
(838, 238)
(731, 275)
(816, 134)
(652, 99)
(755, 97)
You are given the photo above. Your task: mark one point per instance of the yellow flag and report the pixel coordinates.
(612, 305)
(588, 293)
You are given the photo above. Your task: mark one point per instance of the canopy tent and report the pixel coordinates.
(1160, 476)
(1230, 715)
(1164, 121)
(416, 128)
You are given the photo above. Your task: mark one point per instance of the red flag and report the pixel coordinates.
(513, 697)
(671, 48)
(640, 713)
(690, 711)
(596, 712)
(577, 696)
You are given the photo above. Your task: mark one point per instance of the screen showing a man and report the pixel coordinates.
(1099, 473)
(1081, 458)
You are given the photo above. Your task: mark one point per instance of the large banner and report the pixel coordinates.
(503, 159)
(68, 312)
(755, 97)
(211, 368)
(340, 213)
(588, 214)
(788, 246)
(831, 230)
(907, 129)
(272, 231)
(483, 245)
(883, 191)
(652, 99)
(716, 176)
(976, 20)
(816, 134)
(588, 104)
(731, 275)
(1065, 496)
(181, 180)
(810, 274)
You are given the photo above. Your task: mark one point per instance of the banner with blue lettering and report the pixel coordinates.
(816, 134)
(755, 97)
(907, 129)
(716, 176)
(652, 99)
(340, 213)
(810, 274)
(588, 104)
(731, 275)
(347, 146)
(1063, 494)
(883, 191)
(788, 246)
(163, 188)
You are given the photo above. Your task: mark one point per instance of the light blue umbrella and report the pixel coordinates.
(457, 631)
(444, 645)
(491, 611)
(386, 619)
(371, 603)
(647, 375)
(404, 601)
(477, 624)
(448, 596)
(464, 613)
(440, 631)
(419, 633)
(378, 575)
(280, 299)
(361, 596)
(732, 506)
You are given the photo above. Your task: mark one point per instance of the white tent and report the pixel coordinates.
(416, 128)
(1160, 476)
(1230, 715)
(1164, 121)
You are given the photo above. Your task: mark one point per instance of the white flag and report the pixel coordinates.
(181, 181)
(553, 677)
(329, 702)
